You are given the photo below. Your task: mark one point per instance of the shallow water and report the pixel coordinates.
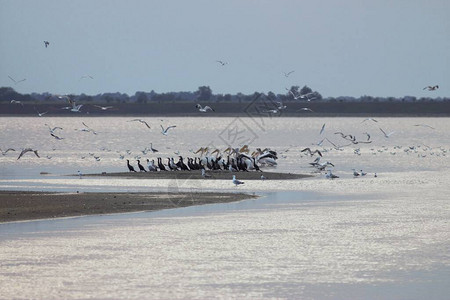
(349, 238)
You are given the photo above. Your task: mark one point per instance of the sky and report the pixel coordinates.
(383, 48)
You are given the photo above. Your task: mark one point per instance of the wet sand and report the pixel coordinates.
(16, 206)
(223, 175)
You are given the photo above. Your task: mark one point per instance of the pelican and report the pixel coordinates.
(28, 150)
(141, 121)
(386, 135)
(204, 109)
(237, 182)
(164, 131)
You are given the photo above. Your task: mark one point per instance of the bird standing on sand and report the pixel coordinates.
(141, 167)
(130, 167)
(237, 182)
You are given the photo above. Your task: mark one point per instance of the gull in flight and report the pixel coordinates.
(74, 108)
(103, 107)
(16, 102)
(88, 129)
(152, 149)
(386, 135)
(203, 109)
(222, 63)
(306, 109)
(52, 130)
(286, 74)
(86, 76)
(271, 111)
(40, 114)
(141, 121)
(311, 152)
(323, 128)
(28, 150)
(280, 106)
(424, 125)
(46, 43)
(431, 87)
(56, 137)
(6, 151)
(164, 131)
(369, 119)
(237, 182)
(17, 81)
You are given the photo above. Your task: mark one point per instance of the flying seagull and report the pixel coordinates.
(16, 81)
(323, 128)
(141, 121)
(56, 137)
(386, 135)
(311, 152)
(222, 63)
(164, 131)
(16, 102)
(431, 87)
(424, 125)
(46, 43)
(203, 109)
(40, 114)
(306, 109)
(52, 130)
(286, 74)
(6, 151)
(103, 107)
(86, 76)
(28, 150)
(280, 106)
(369, 119)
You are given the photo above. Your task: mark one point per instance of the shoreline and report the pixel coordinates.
(27, 206)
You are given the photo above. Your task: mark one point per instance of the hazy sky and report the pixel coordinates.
(339, 48)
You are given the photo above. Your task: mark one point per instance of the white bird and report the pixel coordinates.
(431, 87)
(222, 63)
(330, 175)
(86, 76)
(16, 102)
(56, 137)
(204, 109)
(286, 74)
(263, 177)
(165, 131)
(355, 174)
(141, 121)
(271, 111)
(237, 182)
(28, 150)
(362, 173)
(103, 107)
(204, 175)
(280, 106)
(369, 119)
(386, 135)
(41, 114)
(88, 129)
(306, 109)
(424, 125)
(79, 174)
(16, 82)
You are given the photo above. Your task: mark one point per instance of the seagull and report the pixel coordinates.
(16, 102)
(103, 107)
(79, 174)
(152, 149)
(86, 76)
(204, 175)
(223, 63)
(330, 175)
(75, 108)
(355, 174)
(431, 87)
(306, 109)
(56, 137)
(263, 177)
(46, 43)
(16, 82)
(362, 173)
(237, 182)
(164, 131)
(323, 127)
(89, 129)
(369, 119)
(280, 106)
(41, 114)
(271, 111)
(204, 109)
(424, 125)
(142, 121)
(288, 73)
(311, 152)
(386, 135)
(28, 150)
(6, 151)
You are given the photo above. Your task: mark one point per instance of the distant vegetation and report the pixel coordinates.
(153, 103)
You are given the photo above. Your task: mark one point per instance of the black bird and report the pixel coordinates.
(256, 166)
(160, 165)
(183, 165)
(46, 43)
(141, 167)
(130, 167)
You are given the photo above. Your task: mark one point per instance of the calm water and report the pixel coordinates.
(351, 238)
